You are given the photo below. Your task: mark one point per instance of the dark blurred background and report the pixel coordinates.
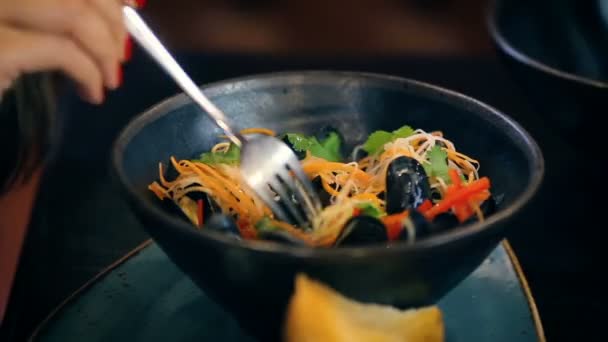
(320, 28)
(81, 225)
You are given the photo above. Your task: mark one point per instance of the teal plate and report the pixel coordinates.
(144, 297)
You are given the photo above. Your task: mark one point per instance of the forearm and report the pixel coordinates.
(15, 209)
(26, 134)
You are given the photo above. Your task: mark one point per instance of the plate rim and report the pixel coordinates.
(40, 327)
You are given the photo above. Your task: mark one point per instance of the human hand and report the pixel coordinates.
(84, 39)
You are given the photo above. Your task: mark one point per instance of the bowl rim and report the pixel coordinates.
(492, 16)
(530, 148)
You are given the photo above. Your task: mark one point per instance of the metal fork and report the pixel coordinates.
(269, 167)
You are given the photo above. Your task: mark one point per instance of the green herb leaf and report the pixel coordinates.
(370, 209)
(376, 141)
(403, 132)
(231, 156)
(265, 225)
(438, 163)
(329, 149)
(332, 144)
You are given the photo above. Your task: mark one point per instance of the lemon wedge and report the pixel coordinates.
(317, 312)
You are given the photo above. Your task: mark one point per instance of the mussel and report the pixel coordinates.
(416, 227)
(223, 224)
(407, 185)
(188, 212)
(444, 221)
(362, 230)
(188, 206)
(488, 207)
(209, 205)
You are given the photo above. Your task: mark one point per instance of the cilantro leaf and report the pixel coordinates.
(376, 141)
(438, 163)
(370, 209)
(403, 132)
(332, 144)
(329, 149)
(265, 225)
(231, 156)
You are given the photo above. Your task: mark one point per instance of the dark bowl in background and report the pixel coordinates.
(253, 280)
(557, 51)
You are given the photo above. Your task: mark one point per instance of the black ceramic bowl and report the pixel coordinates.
(557, 51)
(253, 280)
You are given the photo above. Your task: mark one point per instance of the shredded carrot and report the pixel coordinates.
(478, 212)
(394, 224)
(457, 197)
(426, 205)
(158, 190)
(316, 166)
(364, 163)
(254, 130)
(463, 211)
(456, 181)
(369, 198)
(328, 188)
(161, 176)
(258, 130)
(246, 229)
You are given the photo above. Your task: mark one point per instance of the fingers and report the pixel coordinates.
(26, 51)
(111, 11)
(95, 27)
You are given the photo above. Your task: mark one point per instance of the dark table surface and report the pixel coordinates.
(80, 224)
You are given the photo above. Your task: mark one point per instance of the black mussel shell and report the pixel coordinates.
(172, 208)
(280, 236)
(324, 196)
(209, 205)
(421, 225)
(443, 222)
(223, 224)
(362, 230)
(488, 207)
(435, 195)
(407, 185)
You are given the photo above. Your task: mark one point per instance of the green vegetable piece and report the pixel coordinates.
(376, 141)
(328, 150)
(403, 132)
(231, 156)
(265, 225)
(438, 163)
(332, 144)
(370, 209)
(301, 142)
